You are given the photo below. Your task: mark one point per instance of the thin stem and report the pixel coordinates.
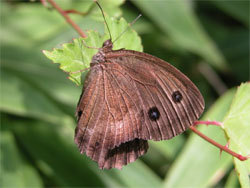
(224, 148)
(72, 11)
(67, 18)
(216, 123)
(78, 12)
(44, 3)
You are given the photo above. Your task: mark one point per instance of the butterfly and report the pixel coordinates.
(130, 97)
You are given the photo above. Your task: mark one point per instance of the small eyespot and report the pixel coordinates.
(153, 113)
(97, 144)
(79, 113)
(120, 58)
(177, 96)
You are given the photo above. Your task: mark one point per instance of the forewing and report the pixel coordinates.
(154, 84)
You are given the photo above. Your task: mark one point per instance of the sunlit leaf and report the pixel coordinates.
(237, 127)
(200, 163)
(75, 57)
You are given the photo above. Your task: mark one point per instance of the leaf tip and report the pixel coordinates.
(46, 53)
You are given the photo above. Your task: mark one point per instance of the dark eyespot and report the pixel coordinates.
(97, 144)
(120, 58)
(153, 113)
(177, 96)
(79, 113)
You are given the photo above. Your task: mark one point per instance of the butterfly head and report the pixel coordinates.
(107, 45)
(100, 56)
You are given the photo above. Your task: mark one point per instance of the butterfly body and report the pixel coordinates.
(130, 97)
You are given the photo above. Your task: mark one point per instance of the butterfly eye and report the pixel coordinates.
(177, 97)
(154, 113)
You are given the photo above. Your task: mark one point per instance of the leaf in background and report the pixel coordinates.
(89, 7)
(137, 174)
(67, 166)
(27, 31)
(237, 9)
(112, 7)
(15, 171)
(200, 164)
(178, 21)
(169, 148)
(31, 65)
(232, 180)
(237, 127)
(20, 98)
(76, 56)
(53, 150)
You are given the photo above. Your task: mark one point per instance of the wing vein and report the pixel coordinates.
(170, 101)
(135, 117)
(95, 123)
(183, 106)
(91, 115)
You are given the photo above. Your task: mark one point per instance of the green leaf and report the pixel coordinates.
(232, 180)
(237, 127)
(237, 9)
(53, 150)
(199, 164)
(178, 21)
(75, 57)
(15, 171)
(67, 166)
(112, 7)
(26, 31)
(137, 174)
(170, 147)
(21, 98)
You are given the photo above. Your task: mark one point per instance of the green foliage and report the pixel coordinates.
(15, 171)
(38, 101)
(187, 166)
(75, 57)
(236, 125)
(188, 33)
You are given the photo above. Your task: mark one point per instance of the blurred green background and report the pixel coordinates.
(207, 40)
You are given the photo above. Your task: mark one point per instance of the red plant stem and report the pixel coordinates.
(216, 123)
(74, 12)
(67, 18)
(44, 3)
(224, 148)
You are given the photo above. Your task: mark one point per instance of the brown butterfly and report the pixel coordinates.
(130, 97)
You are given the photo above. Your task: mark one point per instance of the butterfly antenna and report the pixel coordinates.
(129, 25)
(103, 17)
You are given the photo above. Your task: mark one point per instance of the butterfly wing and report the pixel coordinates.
(167, 101)
(130, 98)
(102, 113)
